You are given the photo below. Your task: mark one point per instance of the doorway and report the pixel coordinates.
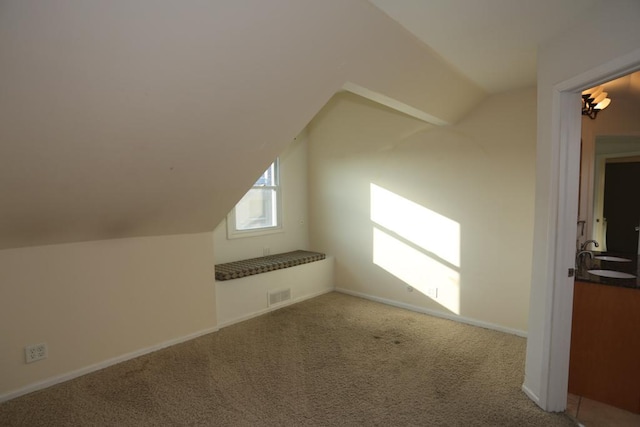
(609, 205)
(621, 210)
(553, 341)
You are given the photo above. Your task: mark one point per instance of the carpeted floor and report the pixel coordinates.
(330, 361)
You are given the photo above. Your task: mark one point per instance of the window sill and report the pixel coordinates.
(232, 234)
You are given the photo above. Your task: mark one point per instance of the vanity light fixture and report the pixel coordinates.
(594, 100)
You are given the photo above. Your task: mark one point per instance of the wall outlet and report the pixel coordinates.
(266, 251)
(432, 293)
(35, 352)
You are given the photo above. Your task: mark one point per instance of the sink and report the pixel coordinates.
(611, 258)
(611, 274)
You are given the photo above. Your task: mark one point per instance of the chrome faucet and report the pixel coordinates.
(585, 244)
(589, 253)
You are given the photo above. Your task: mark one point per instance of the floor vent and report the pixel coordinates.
(278, 297)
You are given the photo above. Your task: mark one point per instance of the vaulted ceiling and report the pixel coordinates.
(493, 42)
(153, 117)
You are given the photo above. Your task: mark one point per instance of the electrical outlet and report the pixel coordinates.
(432, 293)
(266, 251)
(35, 352)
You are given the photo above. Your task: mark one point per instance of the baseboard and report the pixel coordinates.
(123, 358)
(531, 395)
(434, 313)
(273, 308)
(104, 364)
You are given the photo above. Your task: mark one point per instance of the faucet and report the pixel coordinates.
(585, 244)
(589, 253)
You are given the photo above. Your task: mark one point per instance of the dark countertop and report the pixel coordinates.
(594, 264)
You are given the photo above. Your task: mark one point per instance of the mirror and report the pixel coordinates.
(616, 210)
(609, 209)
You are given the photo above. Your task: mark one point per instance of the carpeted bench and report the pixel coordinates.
(249, 267)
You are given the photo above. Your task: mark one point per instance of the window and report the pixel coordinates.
(258, 212)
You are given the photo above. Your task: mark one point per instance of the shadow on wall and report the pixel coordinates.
(417, 245)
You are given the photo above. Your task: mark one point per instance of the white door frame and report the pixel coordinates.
(565, 141)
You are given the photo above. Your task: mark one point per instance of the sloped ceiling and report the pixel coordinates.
(149, 117)
(493, 42)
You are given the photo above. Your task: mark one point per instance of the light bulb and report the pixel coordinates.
(603, 104)
(600, 98)
(596, 93)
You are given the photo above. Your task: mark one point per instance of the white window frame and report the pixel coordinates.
(234, 233)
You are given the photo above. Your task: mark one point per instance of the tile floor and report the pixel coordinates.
(590, 413)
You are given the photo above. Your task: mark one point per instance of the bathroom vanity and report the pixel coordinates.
(605, 336)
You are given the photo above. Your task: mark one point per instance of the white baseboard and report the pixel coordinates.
(531, 394)
(101, 365)
(273, 308)
(122, 358)
(434, 313)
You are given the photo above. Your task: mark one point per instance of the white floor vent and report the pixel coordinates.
(278, 297)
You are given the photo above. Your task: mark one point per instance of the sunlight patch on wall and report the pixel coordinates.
(417, 245)
(416, 269)
(423, 227)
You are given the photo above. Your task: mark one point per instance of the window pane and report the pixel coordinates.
(257, 209)
(268, 178)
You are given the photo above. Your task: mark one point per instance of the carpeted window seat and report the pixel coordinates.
(249, 267)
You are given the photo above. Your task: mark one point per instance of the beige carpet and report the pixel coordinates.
(333, 360)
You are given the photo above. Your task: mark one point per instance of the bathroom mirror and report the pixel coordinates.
(609, 210)
(616, 199)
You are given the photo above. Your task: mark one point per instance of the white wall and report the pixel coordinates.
(247, 297)
(561, 60)
(241, 299)
(294, 234)
(478, 173)
(97, 302)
